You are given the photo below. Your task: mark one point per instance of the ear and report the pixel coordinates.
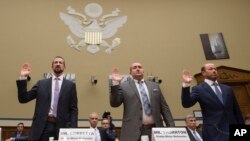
(203, 73)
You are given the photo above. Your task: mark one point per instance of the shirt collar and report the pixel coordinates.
(210, 82)
(60, 77)
(136, 81)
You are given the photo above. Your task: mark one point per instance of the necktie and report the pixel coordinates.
(196, 136)
(56, 96)
(218, 92)
(18, 135)
(145, 100)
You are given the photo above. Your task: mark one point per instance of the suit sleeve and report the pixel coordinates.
(74, 107)
(25, 96)
(237, 112)
(189, 99)
(166, 113)
(116, 96)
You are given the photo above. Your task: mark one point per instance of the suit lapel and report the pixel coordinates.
(134, 88)
(63, 87)
(49, 87)
(211, 92)
(150, 91)
(224, 95)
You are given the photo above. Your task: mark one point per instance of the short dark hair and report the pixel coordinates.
(202, 68)
(106, 114)
(20, 123)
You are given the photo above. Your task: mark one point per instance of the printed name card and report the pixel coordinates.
(171, 134)
(76, 134)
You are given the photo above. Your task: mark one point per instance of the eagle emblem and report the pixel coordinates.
(91, 30)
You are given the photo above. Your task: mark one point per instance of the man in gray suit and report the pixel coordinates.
(144, 104)
(56, 102)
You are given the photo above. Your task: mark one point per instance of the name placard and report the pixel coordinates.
(76, 134)
(171, 134)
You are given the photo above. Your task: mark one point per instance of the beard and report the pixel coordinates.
(58, 70)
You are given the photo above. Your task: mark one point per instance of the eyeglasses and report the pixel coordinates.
(105, 123)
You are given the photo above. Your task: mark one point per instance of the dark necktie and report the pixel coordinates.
(145, 100)
(196, 136)
(56, 96)
(218, 92)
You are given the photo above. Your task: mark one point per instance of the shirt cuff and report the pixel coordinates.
(23, 78)
(184, 85)
(115, 83)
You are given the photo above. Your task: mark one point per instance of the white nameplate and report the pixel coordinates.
(170, 134)
(76, 134)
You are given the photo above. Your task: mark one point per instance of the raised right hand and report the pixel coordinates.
(116, 76)
(25, 70)
(187, 78)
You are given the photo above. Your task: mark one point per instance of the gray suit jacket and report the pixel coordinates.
(67, 112)
(127, 94)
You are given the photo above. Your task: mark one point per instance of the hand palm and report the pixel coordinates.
(25, 70)
(116, 75)
(187, 78)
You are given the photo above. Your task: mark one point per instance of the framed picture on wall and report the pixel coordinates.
(214, 46)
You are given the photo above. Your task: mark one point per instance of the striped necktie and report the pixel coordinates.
(145, 100)
(218, 92)
(196, 136)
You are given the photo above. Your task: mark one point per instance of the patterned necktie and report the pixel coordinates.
(145, 100)
(196, 136)
(218, 92)
(56, 96)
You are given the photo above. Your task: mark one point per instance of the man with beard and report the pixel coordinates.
(56, 102)
(217, 102)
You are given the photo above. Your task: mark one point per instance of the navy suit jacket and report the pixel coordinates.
(216, 116)
(103, 134)
(67, 112)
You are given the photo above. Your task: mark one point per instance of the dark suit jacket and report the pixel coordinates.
(23, 136)
(67, 112)
(191, 136)
(103, 134)
(110, 134)
(216, 116)
(127, 94)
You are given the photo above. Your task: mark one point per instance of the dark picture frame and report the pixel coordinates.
(214, 46)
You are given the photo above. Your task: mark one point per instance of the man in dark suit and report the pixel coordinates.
(100, 134)
(111, 134)
(56, 102)
(19, 135)
(217, 102)
(144, 104)
(194, 135)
